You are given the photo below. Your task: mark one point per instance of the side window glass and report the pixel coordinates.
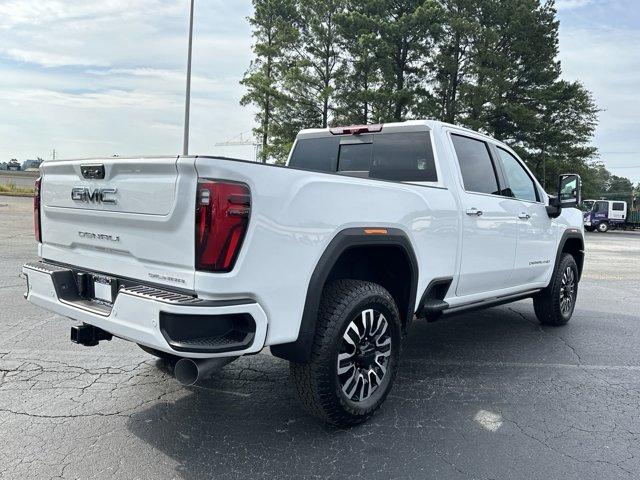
(478, 173)
(319, 154)
(618, 206)
(602, 207)
(520, 183)
(403, 157)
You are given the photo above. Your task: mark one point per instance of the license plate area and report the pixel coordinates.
(104, 289)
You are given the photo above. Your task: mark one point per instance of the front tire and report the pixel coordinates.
(603, 227)
(555, 304)
(355, 353)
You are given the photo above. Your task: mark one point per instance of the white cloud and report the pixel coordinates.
(97, 78)
(607, 61)
(38, 12)
(571, 4)
(47, 59)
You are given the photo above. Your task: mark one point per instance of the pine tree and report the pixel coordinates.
(273, 33)
(360, 69)
(311, 79)
(406, 31)
(487, 64)
(453, 62)
(516, 93)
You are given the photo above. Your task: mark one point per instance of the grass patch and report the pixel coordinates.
(12, 190)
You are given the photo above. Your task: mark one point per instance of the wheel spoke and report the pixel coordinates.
(362, 360)
(349, 387)
(381, 327)
(367, 321)
(347, 338)
(374, 374)
(345, 358)
(381, 364)
(365, 389)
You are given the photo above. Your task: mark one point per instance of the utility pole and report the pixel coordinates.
(187, 100)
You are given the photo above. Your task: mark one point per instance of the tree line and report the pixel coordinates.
(490, 65)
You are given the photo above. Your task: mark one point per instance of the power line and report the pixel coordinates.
(619, 153)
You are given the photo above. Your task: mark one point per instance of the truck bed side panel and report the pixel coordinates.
(294, 216)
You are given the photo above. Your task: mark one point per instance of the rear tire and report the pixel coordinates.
(555, 304)
(354, 356)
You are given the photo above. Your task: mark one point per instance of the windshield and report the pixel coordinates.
(587, 205)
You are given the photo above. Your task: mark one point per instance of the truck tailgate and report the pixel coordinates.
(129, 217)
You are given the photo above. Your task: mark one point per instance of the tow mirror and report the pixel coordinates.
(569, 195)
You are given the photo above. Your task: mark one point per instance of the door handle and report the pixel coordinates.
(474, 212)
(524, 216)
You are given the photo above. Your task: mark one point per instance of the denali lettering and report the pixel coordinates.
(159, 276)
(539, 262)
(99, 236)
(97, 195)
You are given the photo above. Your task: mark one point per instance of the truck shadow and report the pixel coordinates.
(247, 422)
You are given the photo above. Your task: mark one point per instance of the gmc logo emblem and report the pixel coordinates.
(97, 195)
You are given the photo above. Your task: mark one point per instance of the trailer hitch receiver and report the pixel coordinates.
(88, 335)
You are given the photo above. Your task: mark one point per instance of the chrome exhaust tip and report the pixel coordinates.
(190, 371)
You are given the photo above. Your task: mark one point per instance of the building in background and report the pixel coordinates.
(31, 164)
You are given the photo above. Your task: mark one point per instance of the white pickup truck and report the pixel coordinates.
(327, 260)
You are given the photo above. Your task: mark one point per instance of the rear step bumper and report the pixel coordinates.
(171, 322)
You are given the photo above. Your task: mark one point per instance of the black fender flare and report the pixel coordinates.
(300, 349)
(570, 233)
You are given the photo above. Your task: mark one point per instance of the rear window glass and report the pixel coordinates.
(316, 154)
(355, 157)
(403, 157)
(618, 206)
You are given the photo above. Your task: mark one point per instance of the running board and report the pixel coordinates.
(491, 302)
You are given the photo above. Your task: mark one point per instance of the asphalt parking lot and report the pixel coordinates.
(486, 395)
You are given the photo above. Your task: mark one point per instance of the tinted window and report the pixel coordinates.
(355, 157)
(477, 169)
(520, 182)
(618, 206)
(404, 157)
(316, 154)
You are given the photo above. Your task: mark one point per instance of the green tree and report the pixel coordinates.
(516, 93)
(619, 188)
(311, 78)
(360, 66)
(406, 31)
(454, 60)
(273, 32)
(487, 64)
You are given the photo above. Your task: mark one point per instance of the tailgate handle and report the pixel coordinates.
(92, 172)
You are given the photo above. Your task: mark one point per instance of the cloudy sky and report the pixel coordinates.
(107, 77)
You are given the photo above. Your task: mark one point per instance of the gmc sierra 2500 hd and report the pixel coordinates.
(327, 260)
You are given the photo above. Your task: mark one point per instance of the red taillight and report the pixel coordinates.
(356, 129)
(222, 215)
(36, 210)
